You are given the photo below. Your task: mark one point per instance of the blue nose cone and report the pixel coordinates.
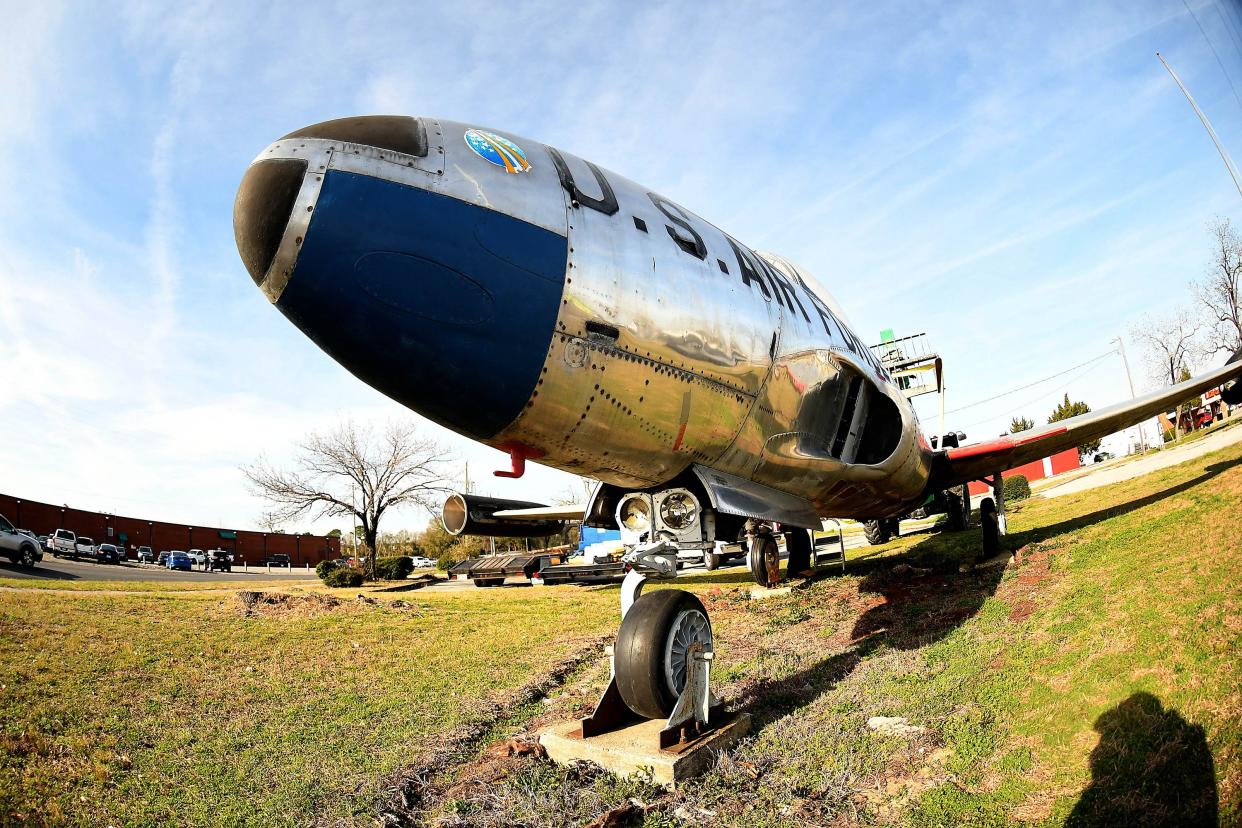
(445, 306)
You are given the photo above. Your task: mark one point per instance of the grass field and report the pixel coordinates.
(1093, 680)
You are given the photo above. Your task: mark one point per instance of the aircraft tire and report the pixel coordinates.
(488, 582)
(990, 525)
(764, 559)
(652, 648)
(877, 532)
(711, 561)
(800, 545)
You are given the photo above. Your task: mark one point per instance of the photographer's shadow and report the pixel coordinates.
(1151, 767)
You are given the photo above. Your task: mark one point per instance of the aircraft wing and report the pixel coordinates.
(978, 460)
(569, 512)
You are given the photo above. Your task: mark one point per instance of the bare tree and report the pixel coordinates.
(1220, 291)
(1170, 344)
(351, 471)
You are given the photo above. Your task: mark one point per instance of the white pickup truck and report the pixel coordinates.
(19, 547)
(63, 542)
(84, 547)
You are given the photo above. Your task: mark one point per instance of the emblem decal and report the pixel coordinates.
(499, 151)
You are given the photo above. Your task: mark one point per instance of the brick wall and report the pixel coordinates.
(251, 546)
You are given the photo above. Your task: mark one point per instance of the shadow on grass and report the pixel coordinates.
(922, 609)
(1151, 767)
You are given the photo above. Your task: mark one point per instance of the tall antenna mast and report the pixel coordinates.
(1224, 156)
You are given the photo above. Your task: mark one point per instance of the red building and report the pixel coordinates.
(1038, 469)
(130, 533)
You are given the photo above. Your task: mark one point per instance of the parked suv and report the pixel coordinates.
(19, 547)
(146, 555)
(275, 560)
(83, 546)
(198, 557)
(64, 542)
(219, 560)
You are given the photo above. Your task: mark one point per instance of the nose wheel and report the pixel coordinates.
(661, 663)
(660, 637)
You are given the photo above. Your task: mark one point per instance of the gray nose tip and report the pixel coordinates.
(397, 133)
(261, 211)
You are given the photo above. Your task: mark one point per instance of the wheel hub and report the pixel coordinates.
(691, 632)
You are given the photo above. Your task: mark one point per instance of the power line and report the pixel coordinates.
(1032, 384)
(1044, 395)
(1211, 46)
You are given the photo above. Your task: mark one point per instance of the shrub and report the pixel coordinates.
(344, 576)
(323, 568)
(393, 569)
(446, 562)
(1017, 488)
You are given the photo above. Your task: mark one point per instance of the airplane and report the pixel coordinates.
(537, 303)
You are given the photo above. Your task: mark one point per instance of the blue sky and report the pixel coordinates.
(1022, 181)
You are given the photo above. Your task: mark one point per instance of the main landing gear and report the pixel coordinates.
(661, 663)
(763, 555)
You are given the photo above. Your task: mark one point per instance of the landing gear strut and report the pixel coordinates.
(992, 517)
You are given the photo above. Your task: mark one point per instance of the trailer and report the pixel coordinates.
(492, 569)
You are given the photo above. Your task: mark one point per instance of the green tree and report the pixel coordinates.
(1066, 409)
(1193, 402)
(1020, 424)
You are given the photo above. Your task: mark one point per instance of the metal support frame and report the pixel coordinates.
(697, 710)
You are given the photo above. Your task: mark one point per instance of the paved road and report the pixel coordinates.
(68, 570)
(1162, 459)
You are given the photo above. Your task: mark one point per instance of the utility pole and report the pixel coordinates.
(1121, 349)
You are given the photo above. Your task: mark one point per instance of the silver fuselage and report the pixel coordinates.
(673, 343)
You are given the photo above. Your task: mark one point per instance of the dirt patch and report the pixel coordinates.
(253, 604)
(1024, 591)
(256, 604)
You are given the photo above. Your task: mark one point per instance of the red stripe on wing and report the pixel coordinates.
(996, 446)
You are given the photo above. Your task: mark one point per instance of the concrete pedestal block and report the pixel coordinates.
(758, 593)
(637, 747)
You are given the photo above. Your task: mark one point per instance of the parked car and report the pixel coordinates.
(198, 557)
(275, 560)
(45, 543)
(64, 542)
(107, 553)
(180, 560)
(421, 562)
(219, 560)
(162, 559)
(17, 545)
(146, 555)
(84, 546)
